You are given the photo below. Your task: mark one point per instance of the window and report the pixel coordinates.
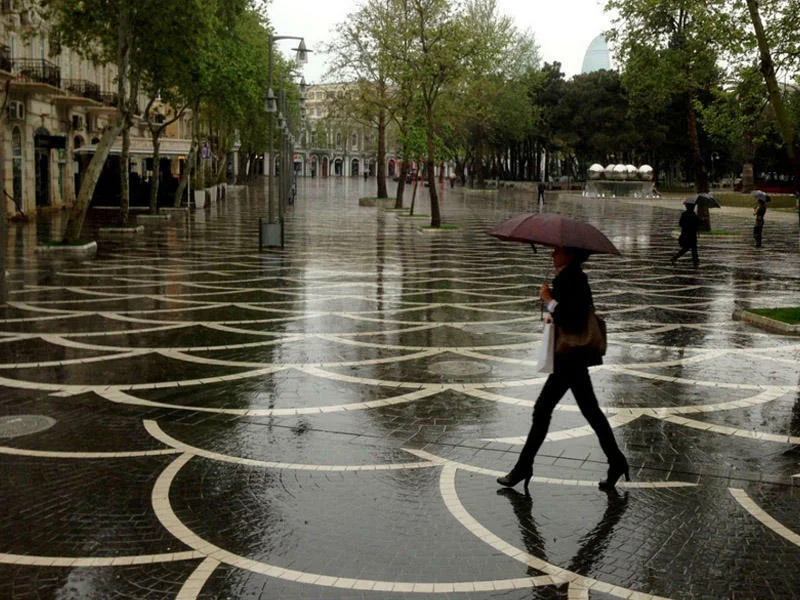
(355, 140)
(338, 139)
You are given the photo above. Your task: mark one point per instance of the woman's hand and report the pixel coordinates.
(545, 294)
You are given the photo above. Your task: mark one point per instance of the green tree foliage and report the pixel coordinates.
(106, 31)
(359, 55)
(671, 49)
(591, 120)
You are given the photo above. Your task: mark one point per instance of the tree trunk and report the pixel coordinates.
(77, 214)
(124, 183)
(380, 168)
(414, 195)
(436, 217)
(401, 183)
(156, 172)
(481, 179)
(190, 160)
(125, 106)
(3, 215)
(785, 126)
(700, 175)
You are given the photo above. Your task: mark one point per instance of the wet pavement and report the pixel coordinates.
(187, 417)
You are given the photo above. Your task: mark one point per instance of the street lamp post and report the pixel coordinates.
(274, 230)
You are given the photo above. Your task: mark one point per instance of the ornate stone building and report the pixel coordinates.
(335, 146)
(56, 109)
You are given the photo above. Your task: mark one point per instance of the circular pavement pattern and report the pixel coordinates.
(327, 420)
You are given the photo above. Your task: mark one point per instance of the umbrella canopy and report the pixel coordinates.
(704, 199)
(550, 229)
(761, 196)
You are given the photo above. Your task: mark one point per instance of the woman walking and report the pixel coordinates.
(569, 304)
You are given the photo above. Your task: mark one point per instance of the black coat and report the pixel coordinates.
(689, 223)
(571, 290)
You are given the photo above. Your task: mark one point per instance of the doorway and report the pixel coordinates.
(41, 146)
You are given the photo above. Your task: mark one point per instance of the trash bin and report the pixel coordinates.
(270, 234)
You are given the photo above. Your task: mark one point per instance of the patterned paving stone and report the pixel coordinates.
(327, 420)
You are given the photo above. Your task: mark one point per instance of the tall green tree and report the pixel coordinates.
(671, 48)
(106, 31)
(783, 18)
(439, 45)
(591, 119)
(174, 63)
(359, 55)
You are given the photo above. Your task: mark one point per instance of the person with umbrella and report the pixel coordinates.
(689, 224)
(759, 211)
(570, 307)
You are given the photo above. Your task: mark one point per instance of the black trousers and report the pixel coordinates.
(757, 234)
(577, 379)
(684, 250)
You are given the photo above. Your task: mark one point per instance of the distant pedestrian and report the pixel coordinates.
(540, 187)
(452, 178)
(689, 223)
(759, 211)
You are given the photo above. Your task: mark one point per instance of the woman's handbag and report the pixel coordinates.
(590, 343)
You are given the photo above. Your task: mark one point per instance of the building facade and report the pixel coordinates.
(57, 107)
(337, 146)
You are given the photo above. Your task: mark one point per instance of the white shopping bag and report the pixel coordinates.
(547, 349)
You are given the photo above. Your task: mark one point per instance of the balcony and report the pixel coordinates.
(109, 101)
(83, 89)
(37, 71)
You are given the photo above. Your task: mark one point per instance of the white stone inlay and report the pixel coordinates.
(757, 512)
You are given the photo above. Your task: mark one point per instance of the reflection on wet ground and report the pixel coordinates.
(327, 420)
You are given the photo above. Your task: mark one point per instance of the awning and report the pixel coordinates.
(142, 146)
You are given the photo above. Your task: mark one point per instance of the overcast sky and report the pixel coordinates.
(562, 28)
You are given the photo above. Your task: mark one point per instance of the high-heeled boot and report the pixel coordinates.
(515, 476)
(615, 471)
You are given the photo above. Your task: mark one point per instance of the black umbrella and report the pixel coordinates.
(704, 199)
(760, 196)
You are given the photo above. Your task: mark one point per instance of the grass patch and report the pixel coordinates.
(717, 232)
(790, 315)
(740, 199)
(442, 227)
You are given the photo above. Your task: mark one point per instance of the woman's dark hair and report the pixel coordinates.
(580, 254)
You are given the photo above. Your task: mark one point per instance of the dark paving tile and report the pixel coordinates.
(58, 507)
(123, 371)
(287, 389)
(277, 517)
(160, 581)
(37, 350)
(365, 277)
